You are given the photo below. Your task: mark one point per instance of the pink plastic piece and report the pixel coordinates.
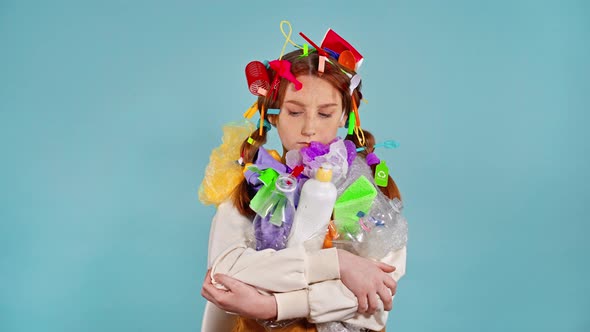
(283, 68)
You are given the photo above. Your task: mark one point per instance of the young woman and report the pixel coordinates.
(251, 290)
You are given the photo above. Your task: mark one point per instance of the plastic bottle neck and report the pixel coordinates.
(323, 174)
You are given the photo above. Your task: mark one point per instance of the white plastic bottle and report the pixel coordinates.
(314, 210)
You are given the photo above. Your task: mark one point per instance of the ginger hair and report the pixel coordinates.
(333, 73)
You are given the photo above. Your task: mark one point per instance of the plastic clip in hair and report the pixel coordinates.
(305, 48)
(347, 60)
(389, 144)
(381, 174)
(354, 83)
(351, 124)
(372, 159)
(266, 125)
(250, 111)
(334, 42)
(257, 77)
(283, 69)
(323, 54)
(332, 53)
(306, 53)
(261, 123)
(318, 49)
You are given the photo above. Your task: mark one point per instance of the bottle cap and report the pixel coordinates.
(324, 174)
(286, 183)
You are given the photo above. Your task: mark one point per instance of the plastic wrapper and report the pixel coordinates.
(381, 231)
(271, 325)
(339, 327)
(376, 233)
(339, 155)
(223, 173)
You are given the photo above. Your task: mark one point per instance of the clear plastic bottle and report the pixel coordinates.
(314, 210)
(275, 216)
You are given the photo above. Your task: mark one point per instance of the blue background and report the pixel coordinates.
(108, 112)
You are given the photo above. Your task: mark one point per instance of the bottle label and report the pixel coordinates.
(381, 174)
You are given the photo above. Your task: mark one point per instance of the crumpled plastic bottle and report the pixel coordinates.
(273, 223)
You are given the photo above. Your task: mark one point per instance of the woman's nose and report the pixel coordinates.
(308, 128)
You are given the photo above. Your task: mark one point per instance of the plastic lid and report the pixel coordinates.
(324, 174)
(286, 183)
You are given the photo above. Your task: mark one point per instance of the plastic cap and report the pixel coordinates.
(324, 174)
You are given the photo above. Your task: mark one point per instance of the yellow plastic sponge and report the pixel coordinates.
(223, 173)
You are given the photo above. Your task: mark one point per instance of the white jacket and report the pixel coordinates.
(305, 284)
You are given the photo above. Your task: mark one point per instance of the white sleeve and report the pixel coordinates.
(274, 271)
(305, 284)
(330, 300)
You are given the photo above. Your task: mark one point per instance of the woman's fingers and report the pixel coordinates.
(234, 296)
(373, 302)
(210, 292)
(227, 281)
(370, 281)
(206, 293)
(363, 304)
(207, 276)
(385, 267)
(391, 285)
(386, 298)
(207, 281)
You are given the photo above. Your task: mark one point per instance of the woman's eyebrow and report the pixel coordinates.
(303, 105)
(295, 102)
(327, 105)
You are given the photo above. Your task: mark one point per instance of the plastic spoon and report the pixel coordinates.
(347, 59)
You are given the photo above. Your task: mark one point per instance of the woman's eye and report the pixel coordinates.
(325, 115)
(294, 113)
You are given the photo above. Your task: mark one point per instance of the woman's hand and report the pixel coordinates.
(239, 298)
(368, 280)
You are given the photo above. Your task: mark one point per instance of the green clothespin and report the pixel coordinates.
(351, 123)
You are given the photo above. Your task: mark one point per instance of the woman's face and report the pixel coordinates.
(313, 113)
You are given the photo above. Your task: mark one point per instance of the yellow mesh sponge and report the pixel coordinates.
(223, 173)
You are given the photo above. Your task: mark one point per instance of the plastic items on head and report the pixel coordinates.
(274, 217)
(257, 77)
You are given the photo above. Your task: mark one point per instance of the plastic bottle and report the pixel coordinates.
(314, 210)
(275, 215)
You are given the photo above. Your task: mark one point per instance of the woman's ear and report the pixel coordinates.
(272, 118)
(343, 119)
